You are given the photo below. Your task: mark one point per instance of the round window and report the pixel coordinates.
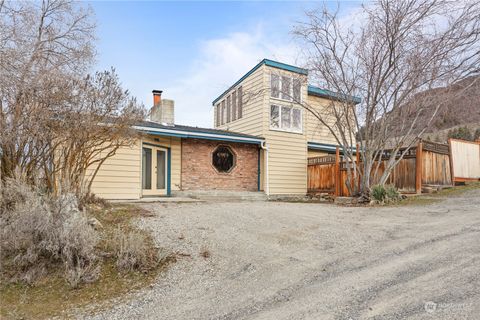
(223, 159)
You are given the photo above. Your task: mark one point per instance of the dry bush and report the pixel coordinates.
(134, 253)
(38, 232)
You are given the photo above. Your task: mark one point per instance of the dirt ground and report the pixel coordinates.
(272, 260)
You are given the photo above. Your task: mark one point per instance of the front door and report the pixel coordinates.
(154, 171)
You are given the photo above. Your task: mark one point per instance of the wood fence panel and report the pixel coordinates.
(329, 174)
(465, 159)
(321, 178)
(404, 175)
(436, 168)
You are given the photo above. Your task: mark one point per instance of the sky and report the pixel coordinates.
(193, 51)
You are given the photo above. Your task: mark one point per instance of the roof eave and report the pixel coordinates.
(267, 62)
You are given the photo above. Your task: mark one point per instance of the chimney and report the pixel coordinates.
(162, 110)
(157, 96)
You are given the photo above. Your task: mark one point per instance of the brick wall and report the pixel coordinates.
(198, 172)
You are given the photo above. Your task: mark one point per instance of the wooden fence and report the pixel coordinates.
(465, 157)
(427, 163)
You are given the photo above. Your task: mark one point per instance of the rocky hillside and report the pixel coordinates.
(462, 109)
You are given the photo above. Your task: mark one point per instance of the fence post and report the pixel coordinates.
(358, 166)
(419, 168)
(450, 158)
(337, 172)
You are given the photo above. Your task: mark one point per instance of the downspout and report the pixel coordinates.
(264, 146)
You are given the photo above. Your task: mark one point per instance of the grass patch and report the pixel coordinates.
(431, 198)
(457, 190)
(418, 201)
(52, 296)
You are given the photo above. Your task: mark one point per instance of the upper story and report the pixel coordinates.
(267, 101)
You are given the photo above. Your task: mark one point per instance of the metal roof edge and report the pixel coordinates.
(324, 146)
(316, 91)
(199, 135)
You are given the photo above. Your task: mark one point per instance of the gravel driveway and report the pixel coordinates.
(271, 260)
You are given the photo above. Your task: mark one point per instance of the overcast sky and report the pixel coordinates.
(193, 51)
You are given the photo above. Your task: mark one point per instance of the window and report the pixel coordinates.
(275, 86)
(274, 117)
(228, 109)
(234, 106)
(286, 118)
(218, 115)
(296, 119)
(223, 112)
(285, 88)
(240, 102)
(146, 168)
(223, 159)
(297, 89)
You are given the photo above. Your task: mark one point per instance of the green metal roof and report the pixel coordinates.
(316, 91)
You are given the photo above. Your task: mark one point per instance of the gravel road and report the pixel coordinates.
(271, 260)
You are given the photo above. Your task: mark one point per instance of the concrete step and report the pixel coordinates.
(222, 195)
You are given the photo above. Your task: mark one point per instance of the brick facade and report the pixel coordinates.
(198, 172)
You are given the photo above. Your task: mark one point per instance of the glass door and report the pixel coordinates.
(154, 171)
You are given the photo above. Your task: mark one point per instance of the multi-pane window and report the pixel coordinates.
(285, 118)
(230, 108)
(285, 88)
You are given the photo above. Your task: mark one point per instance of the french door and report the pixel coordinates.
(154, 171)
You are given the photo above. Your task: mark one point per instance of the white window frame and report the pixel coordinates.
(292, 79)
(280, 128)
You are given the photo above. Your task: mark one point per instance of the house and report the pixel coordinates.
(261, 141)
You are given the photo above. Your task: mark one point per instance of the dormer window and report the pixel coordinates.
(285, 88)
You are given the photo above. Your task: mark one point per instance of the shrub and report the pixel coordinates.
(391, 194)
(385, 194)
(476, 135)
(133, 252)
(38, 231)
(462, 133)
(378, 193)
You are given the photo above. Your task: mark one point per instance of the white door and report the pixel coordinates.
(154, 171)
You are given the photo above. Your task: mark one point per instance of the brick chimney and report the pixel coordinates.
(162, 110)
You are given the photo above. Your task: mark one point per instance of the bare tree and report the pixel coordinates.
(55, 120)
(393, 62)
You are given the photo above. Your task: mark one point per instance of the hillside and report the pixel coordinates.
(459, 109)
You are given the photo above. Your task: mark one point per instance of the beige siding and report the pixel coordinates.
(316, 131)
(316, 153)
(120, 176)
(253, 98)
(287, 150)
